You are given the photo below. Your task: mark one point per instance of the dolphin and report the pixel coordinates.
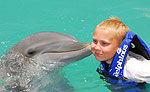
(34, 63)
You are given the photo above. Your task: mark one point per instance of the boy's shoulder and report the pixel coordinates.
(136, 67)
(135, 56)
(134, 62)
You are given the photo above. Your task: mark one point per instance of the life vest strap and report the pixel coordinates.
(107, 75)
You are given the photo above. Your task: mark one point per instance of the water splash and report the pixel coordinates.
(23, 74)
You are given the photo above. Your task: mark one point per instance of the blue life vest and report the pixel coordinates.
(132, 43)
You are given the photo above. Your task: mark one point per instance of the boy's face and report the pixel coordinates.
(104, 45)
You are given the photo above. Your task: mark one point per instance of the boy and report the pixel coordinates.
(123, 54)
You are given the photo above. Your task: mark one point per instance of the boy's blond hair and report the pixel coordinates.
(115, 26)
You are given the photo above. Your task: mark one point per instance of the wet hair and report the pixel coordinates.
(115, 26)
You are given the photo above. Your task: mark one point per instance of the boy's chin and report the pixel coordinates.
(99, 59)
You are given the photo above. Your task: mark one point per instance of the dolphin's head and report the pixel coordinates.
(52, 46)
(34, 62)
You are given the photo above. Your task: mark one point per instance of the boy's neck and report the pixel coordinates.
(109, 61)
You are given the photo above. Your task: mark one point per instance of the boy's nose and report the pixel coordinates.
(97, 47)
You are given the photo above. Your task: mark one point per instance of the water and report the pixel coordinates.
(20, 18)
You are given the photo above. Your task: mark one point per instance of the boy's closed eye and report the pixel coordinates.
(95, 41)
(103, 43)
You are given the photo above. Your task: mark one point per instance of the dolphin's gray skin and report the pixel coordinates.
(33, 64)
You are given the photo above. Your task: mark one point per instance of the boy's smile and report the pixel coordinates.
(104, 45)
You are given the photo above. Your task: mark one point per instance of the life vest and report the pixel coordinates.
(114, 73)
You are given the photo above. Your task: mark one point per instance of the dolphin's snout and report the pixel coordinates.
(68, 48)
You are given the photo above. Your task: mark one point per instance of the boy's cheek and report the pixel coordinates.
(91, 47)
(92, 50)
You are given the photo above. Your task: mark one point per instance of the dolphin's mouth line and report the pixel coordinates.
(65, 51)
(74, 47)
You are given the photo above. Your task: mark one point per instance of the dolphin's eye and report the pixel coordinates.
(30, 53)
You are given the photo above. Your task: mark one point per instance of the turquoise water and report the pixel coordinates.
(20, 18)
